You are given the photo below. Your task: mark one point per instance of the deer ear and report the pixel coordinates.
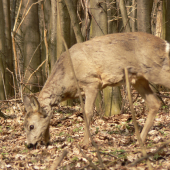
(31, 104)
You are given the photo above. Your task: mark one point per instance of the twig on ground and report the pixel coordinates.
(150, 154)
(90, 161)
(58, 160)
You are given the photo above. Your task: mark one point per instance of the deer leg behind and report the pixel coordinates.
(90, 94)
(153, 103)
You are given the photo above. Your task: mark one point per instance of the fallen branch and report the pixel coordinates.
(90, 161)
(58, 160)
(150, 154)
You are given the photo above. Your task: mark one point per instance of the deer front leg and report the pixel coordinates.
(90, 94)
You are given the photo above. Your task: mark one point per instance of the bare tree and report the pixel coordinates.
(53, 32)
(63, 30)
(31, 38)
(112, 15)
(167, 20)
(74, 20)
(2, 52)
(8, 48)
(144, 9)
(125, 19)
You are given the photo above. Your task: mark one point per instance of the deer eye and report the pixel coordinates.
(31, 127)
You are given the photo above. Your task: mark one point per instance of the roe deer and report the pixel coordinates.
(98, 63)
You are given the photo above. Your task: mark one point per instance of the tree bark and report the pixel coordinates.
(32, 60)
(144, 9)
(2, 51)
(99, 18)
(45, 16)
(74, 20)
(13, 13)
(8, 49)
(133, 22)
(167, 20)
(124, 16)
(99, 27)
(111, 13)
(63, 30)
(114, 95)
(53, 36)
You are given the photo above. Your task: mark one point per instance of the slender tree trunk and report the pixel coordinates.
(133, 20)
(45, 36)
(74, 20)
(8, 49)
(13, 13)
(32, 60)
(144, 9)
(99, 27)
(64, 25)
(114, 96)
(99, 18)
(53, 37)
(167, 20)
(72, 34)
(2, 52)
(111, 13)
(124, 16)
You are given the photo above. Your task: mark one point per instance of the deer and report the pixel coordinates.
(98, 63)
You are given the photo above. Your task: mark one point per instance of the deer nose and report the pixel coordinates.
(31, 146)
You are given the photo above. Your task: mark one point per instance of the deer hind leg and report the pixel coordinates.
(90, 94)
(153, 103)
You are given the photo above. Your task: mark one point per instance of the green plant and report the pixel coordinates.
(75, 158)
(76, 129)
(97, 130)
(70, 139)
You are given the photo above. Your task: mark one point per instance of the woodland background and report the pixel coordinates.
(30, 39)
(30, 44)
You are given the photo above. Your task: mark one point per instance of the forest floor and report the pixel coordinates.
(114, 137)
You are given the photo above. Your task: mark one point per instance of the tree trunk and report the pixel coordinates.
(63, 30)
(144, 9)
(114, 95)
(111, 13)
(72, 34)
(32, 60)
(53, 37)
(45, 16)
(74, 20)
(98, 28)
(99, 18)
(2, 52)
(13, 13)
(8, 49)
(124, 16)
(167, 20)
(133, 20)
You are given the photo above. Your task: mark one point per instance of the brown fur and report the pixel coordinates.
(100, 62)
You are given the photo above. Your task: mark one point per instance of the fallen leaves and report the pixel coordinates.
(114, 136)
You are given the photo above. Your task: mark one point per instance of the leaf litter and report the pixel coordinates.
(114, 136)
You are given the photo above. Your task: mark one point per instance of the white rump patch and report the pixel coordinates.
(167, 47)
